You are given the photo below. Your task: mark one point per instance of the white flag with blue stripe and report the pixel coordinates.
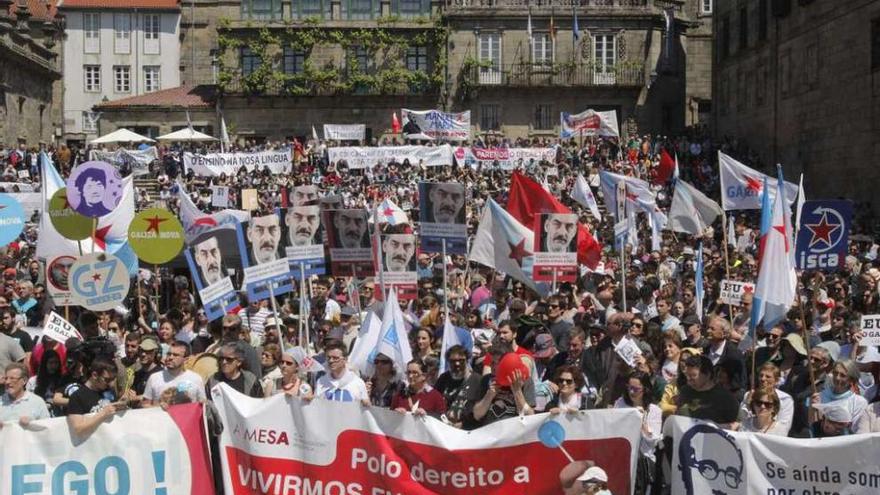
(453, 336)
(393, 340)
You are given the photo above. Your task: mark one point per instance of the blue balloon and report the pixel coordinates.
(11, 219)
(551, 434)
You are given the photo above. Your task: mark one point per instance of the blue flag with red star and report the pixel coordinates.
(824, 234)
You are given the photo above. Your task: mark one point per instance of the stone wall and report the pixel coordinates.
(807, 96)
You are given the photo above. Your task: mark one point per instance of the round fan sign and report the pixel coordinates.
(94, 189)
(98, 281)
(11, 219)
(156, 235)
(66, 221)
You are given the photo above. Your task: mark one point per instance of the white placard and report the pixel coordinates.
(870, 330)
(220, 196)
(732, 291)
(23, 174)
(345, 132)
(628, 351)
(217, 289)
(266, 271)
(59, 329)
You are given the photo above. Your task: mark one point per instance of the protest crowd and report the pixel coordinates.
(658, 331)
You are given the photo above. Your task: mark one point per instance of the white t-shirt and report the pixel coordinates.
(188, 381)
(348, 388)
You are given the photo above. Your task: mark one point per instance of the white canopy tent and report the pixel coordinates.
(122, 136)
(186, 134)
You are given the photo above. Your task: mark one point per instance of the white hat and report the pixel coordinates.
(835, 412)
(594, 474)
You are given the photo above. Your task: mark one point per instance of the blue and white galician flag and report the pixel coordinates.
(393, 340)
(452, 336)
(505, 244)
(777, 279)
(390, 213)
(364, 350)
(741, 186)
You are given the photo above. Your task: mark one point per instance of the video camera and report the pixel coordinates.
(86, 352)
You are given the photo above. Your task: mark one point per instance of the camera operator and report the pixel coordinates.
(94, 402)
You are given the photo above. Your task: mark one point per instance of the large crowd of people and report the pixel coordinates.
(806, 376)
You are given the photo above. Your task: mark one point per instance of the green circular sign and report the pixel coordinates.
(66, 220)
(156, 235)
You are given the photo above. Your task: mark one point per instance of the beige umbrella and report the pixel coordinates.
(122, 136)
(186, 134)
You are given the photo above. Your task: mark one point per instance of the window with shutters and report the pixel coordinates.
(121, 33)
(151, 34)
(91, 32)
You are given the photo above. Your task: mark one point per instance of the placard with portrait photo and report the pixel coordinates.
(214, 255)
(264, 239)
(442, 216)
(398, 264)
(301, 236)
(348, 235)
(556, 238)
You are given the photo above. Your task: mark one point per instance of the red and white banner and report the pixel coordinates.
(281, 445)
(589, 123)
(506, 158)
(142, 452)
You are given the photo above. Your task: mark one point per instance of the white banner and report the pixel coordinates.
(706, 459)
(138, 452)
(732, 291)
(16, 187)
(367, 157)
(29, 201)
(367, 450)
(59, 329)
(346, 132)
(214, 164)
(437, 125)
(507, 158)
(589, 123)
(139, 160)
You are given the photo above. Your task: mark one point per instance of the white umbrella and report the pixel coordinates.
(122, 136)
(186, 134)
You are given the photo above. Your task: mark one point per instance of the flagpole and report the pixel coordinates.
(445, 281)
(357, 300)
(303, 318)
(378, 248)
(727, 270)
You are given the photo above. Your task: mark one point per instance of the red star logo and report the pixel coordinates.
(96, 277)
(781, 230)
(822, 231)
(632, 196)
(748, 289)
(100, 237)
(753, 184)
(518, 252)
(388, 212)
(154, 223)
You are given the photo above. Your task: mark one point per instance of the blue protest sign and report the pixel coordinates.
(551, 434)
(11, 219)
(824, 234)
(98, 281)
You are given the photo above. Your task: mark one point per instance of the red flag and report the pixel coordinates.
(395, 124)
(664, 171)
(527, 198)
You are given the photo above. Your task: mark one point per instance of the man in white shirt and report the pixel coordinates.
(174, 376)
(340, 384)
(17, 404)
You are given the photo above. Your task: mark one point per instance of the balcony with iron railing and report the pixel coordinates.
(541, 4)
(537, 75)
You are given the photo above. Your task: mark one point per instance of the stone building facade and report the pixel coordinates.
(282, 66)
(799, 82)
(518, 64)
(29, 77)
